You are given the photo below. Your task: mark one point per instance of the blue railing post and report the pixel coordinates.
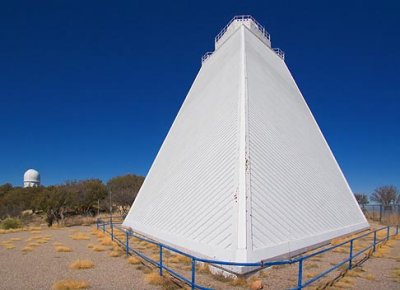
(161, 257)
(193, 273)
(127, 243)
(374, 240)
(300, 275)
(397, 230)
(351, 255)
(97, 224)
(112, 231)
(388, 233)
(104, 227)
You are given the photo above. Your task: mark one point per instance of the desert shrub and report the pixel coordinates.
(70, 284)
(81, 264)
(11, 223)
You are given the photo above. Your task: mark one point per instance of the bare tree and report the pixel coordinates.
(361, 198)
(385, 195)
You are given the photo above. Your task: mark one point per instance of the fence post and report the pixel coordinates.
(104, 227)
(397, 230)
(300, 275)
(97, 224)
(161, 263)
(388, 233)
(193, 273)
(380, 212)
(351, 255)
(374, 240)
(112, 231)
(127, 243)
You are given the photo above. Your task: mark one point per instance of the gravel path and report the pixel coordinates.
(43, 266)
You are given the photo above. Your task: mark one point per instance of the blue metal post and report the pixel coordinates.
(397, 230)
(97, 223)
(193, 273)
(351, 255)
(112, 230)
(374, 240)
(300, 275)
(104, 227)
(127, 243)
(161, 263)
(388, 233)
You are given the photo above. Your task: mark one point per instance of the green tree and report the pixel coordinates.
(54, 201)
(85, 195)
(124, 190)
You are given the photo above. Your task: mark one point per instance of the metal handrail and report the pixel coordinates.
(243, 18)
(206, 56)
(279, 52)
(262, 264)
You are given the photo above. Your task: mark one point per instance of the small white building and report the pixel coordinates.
(31, 178)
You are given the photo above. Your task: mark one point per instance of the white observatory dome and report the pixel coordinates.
(31, 178)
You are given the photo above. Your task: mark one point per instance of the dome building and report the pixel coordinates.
(31, 178)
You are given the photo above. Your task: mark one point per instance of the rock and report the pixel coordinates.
(256, 285)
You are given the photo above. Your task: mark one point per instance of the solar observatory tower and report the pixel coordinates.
(245, 173)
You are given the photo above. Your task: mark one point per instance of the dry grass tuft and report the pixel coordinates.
(35, 232)
(10, 231)
(15, 239)
(106, 241)
(338, 241)
(341, 250)
(78, 236)
(396, 274)
(99, 248)
(70, 285)
(90, 246)
(146, 245)
(390, 243)
(58, 244)
(381, 251)
(9, 246)
(369, 277)
(116, 253)
(204, 268)
(311, 266)
(27, 249)
(356, 272)
(310, 275)
(81, 264)
(134, 260)
(178, 259)
(33, 244)
(239, 282)
(100, 234)
(316, 259)
(154, 278)
(63, 249)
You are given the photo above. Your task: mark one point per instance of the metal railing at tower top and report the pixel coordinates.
(279, 52)
(243, 18)
(378, 237)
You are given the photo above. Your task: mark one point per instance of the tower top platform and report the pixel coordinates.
(248, 21)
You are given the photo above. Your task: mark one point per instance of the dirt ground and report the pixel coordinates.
(40, 266)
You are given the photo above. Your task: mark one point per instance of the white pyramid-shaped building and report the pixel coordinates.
(245, 173)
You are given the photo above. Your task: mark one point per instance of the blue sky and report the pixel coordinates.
(90, 88)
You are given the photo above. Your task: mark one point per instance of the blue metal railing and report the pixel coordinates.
(102, 225)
